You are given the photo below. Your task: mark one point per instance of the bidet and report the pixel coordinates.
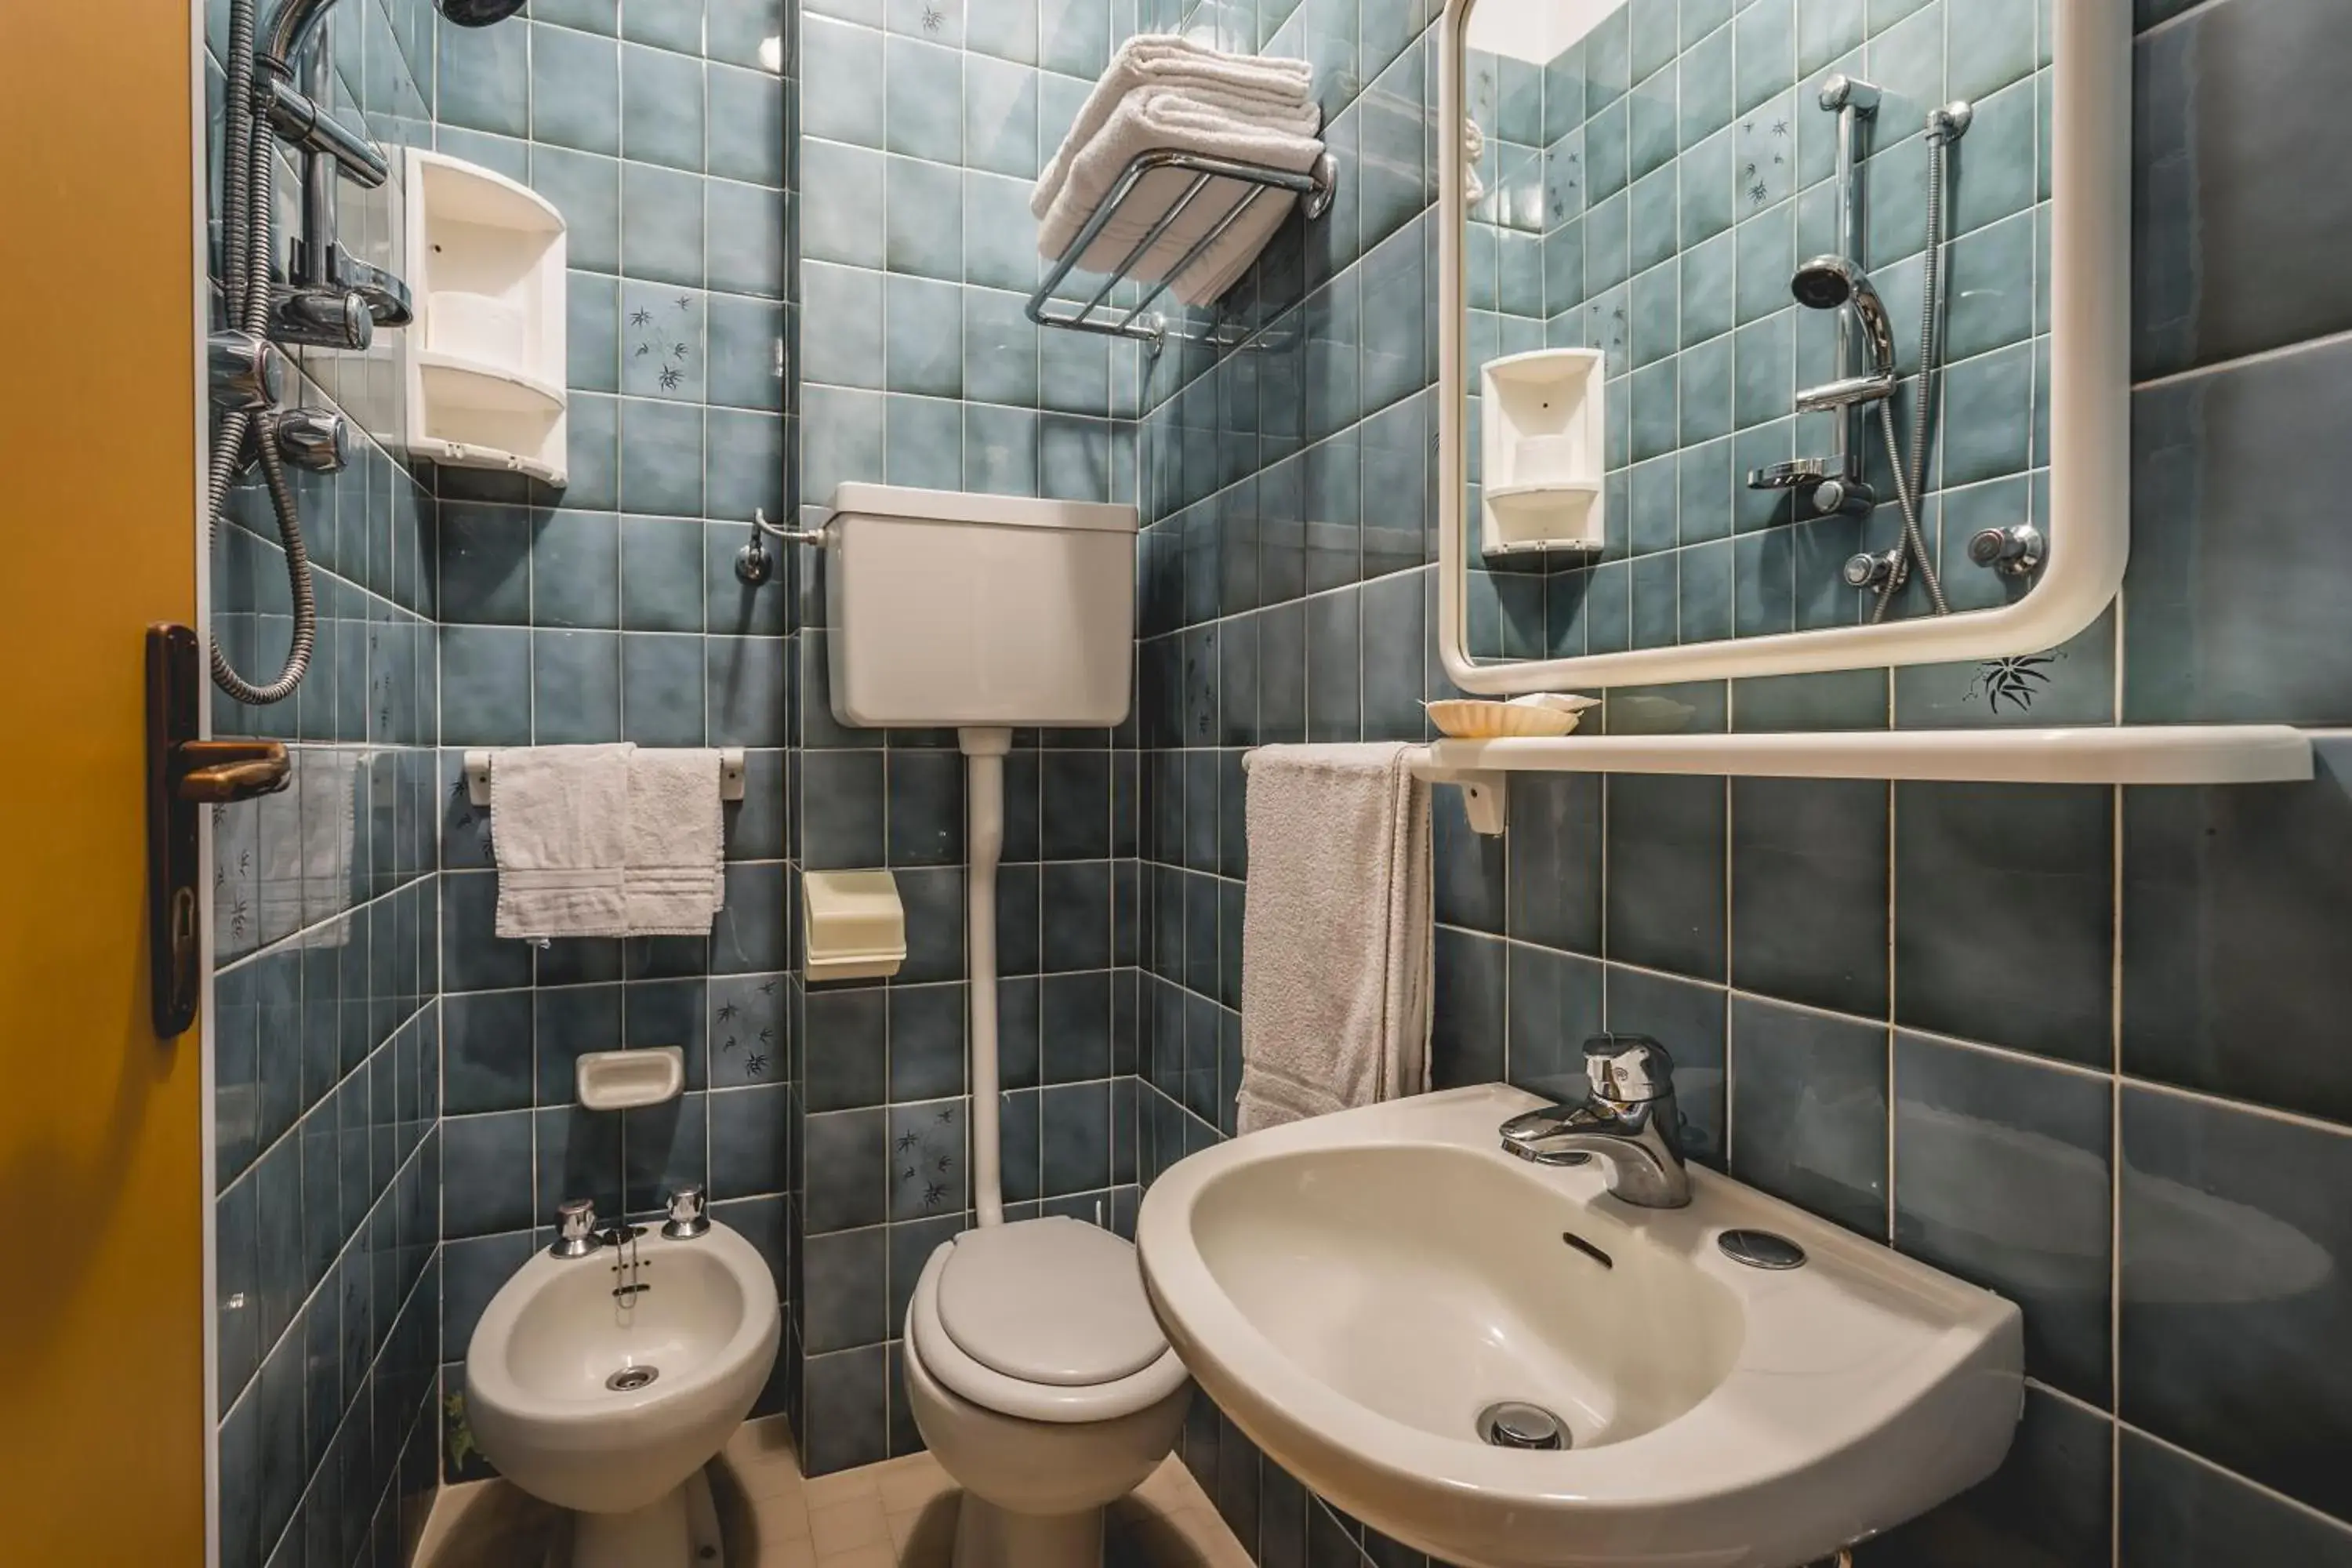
(602, 1380)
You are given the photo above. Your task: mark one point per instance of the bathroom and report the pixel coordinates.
(1961, 829)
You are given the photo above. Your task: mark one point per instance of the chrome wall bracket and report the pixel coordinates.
(754, 564)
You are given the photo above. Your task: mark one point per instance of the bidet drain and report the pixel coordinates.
(1514, 1424)
(629, 1379)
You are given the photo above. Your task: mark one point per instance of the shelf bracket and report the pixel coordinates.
(1485, 796)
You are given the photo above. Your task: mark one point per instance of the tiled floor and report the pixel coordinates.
(900, 1514)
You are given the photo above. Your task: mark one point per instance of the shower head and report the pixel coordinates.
(1827, 282)
(295, 21)
(478, 13)
(1832, 282)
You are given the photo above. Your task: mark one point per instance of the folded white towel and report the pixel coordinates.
(1164, 60)
(675, 879)
(559, 826)
(1336, 936)
(1194, 122)
(606, 841)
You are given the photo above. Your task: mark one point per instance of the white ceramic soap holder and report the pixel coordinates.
(631, 1080)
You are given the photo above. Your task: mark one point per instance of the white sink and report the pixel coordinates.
(1355, 1291)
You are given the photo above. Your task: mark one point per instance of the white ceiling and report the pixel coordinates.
(1537, 31)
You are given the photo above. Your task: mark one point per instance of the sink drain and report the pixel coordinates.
(1515, 1423)
(629, 1379)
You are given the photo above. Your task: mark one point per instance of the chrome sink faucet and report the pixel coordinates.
(1629, 1122)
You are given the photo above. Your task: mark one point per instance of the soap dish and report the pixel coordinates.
(630, 1081)
(1546, 716)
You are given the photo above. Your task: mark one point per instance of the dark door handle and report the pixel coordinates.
(216, 773)
(184, 775)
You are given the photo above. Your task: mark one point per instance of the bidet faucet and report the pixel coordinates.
(689, 1215)
(576, 1229)
(1628, 1120)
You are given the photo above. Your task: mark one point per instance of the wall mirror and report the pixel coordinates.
(1694, 256)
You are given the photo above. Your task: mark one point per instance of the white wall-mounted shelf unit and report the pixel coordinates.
(2129, 754)
(486, 362)
(1543, 452)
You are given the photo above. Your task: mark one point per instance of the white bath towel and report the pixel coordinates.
(606, 841)
(559, 826)
(1164, 118)
(676, 879)
(1166, 60)
(1337, 934)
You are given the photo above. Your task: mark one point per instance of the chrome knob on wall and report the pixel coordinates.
(325, 318)
(246, 371)
(318, 439)
(2014, 552)
(1868, 570)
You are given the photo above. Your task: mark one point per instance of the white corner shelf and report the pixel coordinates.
(1543, 451)
(485, 377)
(2129, 754)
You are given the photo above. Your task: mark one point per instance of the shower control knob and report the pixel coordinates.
(318, 439)
(2014, 552)
(1868, 570)
(326, 319)
(246, 373)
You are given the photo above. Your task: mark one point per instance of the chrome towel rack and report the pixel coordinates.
(731, 764)
(1314, 189)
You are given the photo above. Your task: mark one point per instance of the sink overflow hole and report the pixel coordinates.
(1514, 1424)
(1761, 1250)
(1587, 1248)
(629, 1379)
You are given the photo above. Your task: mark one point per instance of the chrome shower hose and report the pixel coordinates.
(1911, 487)
(246, 244)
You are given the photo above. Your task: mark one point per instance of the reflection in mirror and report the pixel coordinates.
(1758, 320)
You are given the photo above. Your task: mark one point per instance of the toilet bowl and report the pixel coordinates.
(609, 1400)
(1041, 1381)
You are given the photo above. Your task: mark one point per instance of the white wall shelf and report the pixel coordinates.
(2132, 754)
(1544, 451)
(485, 364)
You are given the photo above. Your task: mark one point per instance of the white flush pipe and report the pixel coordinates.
(983, 753)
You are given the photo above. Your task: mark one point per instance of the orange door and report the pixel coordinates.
(101, 1179)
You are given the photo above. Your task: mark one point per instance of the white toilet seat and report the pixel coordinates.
(1065, 1403)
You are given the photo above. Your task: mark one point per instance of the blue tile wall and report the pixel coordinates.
(610, 611)
(325, 1069)
(920, 133)
(1662, 225)
(2041, 1038)
(606, 611)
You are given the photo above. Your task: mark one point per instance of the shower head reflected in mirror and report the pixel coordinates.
(478, 13)
(1832, 282)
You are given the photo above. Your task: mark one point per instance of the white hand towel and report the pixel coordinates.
(1163, 59)
(560, 824)
(1337, 936)
(676, 880)
(1159, 119)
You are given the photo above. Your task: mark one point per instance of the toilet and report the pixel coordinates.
(1041, 1381)
(610, 1404)
(1033, 1367)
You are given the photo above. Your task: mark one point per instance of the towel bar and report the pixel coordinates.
(731, 775)
(1315, 190)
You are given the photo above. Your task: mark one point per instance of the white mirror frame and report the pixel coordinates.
(2090, 414)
